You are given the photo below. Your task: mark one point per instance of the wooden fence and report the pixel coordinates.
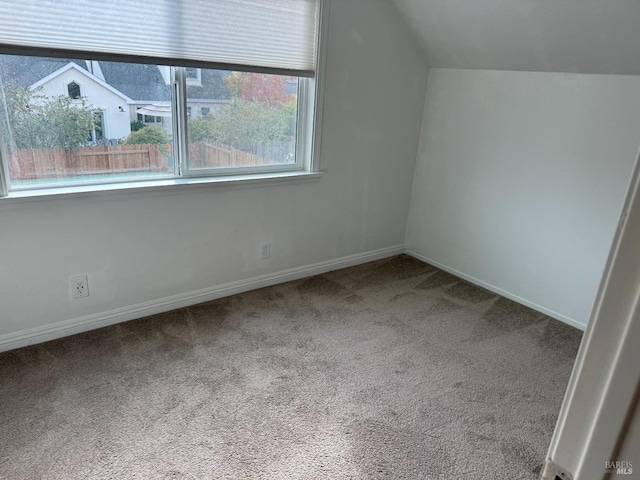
(203, 155)
(50, 163)
(59, 163)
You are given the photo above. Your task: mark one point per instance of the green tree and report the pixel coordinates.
(38, 121)
(288, 118)
(148, 135)
(245, 121)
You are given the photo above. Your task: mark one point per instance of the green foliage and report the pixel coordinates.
(137, 125)
(288, 118)
(37, 121)
(148, 135)
(245, 121)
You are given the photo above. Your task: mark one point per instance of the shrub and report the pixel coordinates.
(148, 135)
(38, 121)
(246, 121)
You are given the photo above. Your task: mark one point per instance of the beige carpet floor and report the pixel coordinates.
(390, 370)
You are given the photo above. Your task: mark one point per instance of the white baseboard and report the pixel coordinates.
(98, 320)
(65, 328)
(499, 291)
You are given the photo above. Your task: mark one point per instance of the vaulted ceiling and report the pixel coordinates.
(576, 36)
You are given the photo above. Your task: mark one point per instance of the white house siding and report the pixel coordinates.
(197, 106)
(117, 124)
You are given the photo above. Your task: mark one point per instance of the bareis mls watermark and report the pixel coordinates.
(619, 468)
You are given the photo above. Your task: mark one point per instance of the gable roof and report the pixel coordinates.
(25, 71)
(140, 83)
(145, 83)
(73, 66)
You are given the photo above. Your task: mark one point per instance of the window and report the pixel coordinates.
(73, 89)
(149, 118)
(256, 127)
(52, 143)
(97, 132)
(263, 109)
(193, 76)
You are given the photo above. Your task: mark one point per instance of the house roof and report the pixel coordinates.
(25, 71)
(212, 86)
(139, 82)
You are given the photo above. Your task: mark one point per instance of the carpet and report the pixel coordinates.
(389, 370)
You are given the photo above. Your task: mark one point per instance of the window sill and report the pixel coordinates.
(143, 188)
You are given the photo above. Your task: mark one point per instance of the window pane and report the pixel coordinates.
(74, 91)
(70, 120)
(247, 120)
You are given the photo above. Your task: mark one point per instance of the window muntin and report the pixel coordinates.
(112, 147)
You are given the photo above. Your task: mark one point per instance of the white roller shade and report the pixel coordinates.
(273, 34)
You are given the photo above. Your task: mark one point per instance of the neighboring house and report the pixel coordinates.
(110, 105)
(120, 92)
(206, 91)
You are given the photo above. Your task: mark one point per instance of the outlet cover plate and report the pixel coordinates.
(78, 286)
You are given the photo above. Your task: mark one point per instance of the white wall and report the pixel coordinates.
(144, 248)
(520, 180)
(603, 389)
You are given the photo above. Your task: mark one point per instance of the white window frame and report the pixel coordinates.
(180, 127)
(305, 168)
(182, 168)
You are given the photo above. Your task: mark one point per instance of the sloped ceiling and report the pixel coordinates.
(576, 36)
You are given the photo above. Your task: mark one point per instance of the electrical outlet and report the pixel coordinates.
(265, 250)
(78, 286)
